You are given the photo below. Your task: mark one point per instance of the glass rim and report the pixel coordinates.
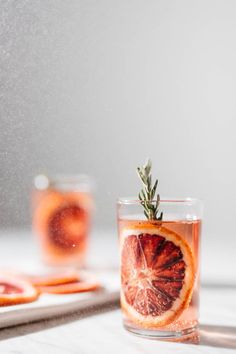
(64, 181)
(185, 200)
(70, 178)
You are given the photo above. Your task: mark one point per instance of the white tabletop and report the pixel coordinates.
(103, 332)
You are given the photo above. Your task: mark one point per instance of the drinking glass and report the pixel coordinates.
(62, 207)
(159, 263)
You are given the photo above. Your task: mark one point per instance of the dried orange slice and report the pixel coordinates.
(157, 275)
(15, 291)
(69, 288)
(54, 278)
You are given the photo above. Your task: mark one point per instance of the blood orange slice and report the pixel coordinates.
(69, 288)
(15, 291)
(157, 275)
(54, 278)
(62, 219)
(66, 225)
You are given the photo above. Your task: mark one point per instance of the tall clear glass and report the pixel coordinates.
(160, 268)
(62, 207)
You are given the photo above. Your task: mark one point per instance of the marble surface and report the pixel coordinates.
(102, 332)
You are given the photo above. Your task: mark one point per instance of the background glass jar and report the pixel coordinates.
(62, 207)
(160, 268)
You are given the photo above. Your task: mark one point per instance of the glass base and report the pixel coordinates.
(179, 336)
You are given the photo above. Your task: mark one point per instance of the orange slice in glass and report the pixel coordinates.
(157, 275)
(67, 225)
(62, 218)
(15, 291)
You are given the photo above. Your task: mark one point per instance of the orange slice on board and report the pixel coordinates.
(70, 288)
(15, 291)
(54, 278)
(157, 275)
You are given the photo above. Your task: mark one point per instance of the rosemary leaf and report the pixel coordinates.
(147, 193)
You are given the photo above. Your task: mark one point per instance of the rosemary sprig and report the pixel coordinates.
(146, 196)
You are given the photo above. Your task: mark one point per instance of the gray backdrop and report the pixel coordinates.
(96, 86)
